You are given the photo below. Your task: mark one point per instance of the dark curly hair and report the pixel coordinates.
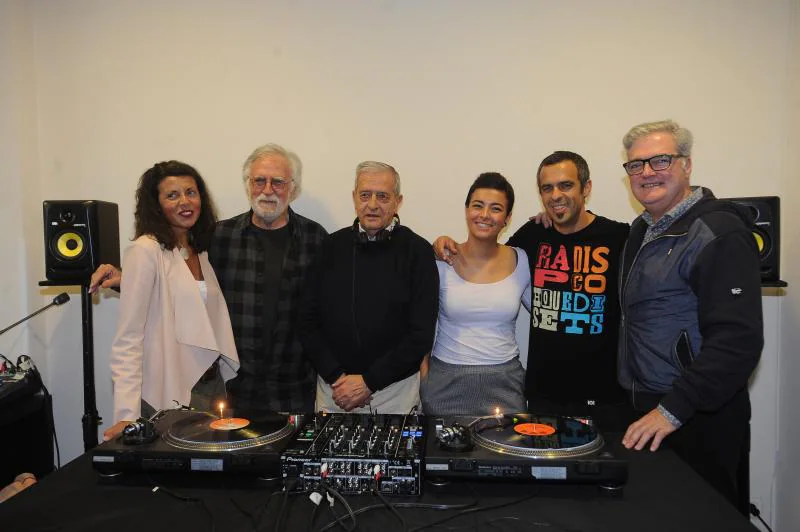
(494, 181)
(149, 218)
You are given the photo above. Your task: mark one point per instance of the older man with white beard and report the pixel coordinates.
(260, 258)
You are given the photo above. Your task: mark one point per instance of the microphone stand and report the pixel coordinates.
(91, 419)
(29, 316)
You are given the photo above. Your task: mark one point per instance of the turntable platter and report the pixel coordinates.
(205, 432)
(535, 436)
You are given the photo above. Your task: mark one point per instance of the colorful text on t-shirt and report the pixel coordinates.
(569, 288)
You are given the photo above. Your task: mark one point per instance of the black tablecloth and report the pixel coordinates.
(662, 493)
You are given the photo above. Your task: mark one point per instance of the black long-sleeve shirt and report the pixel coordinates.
(370, 308)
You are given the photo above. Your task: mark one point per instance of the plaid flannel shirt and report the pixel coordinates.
(277, 376)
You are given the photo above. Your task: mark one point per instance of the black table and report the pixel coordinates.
(662, 494)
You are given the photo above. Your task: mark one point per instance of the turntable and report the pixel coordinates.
(524, 447)
(184, 441)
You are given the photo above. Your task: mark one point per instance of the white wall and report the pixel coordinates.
(787, 486)
(19, 180)
(443, 90)
(764, 425)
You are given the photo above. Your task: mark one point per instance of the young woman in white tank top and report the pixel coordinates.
(474, 367)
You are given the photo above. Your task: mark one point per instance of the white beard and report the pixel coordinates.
(271, 210)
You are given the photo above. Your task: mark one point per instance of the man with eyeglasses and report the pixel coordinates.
(691, 328)
(370, 304)
(260, 258)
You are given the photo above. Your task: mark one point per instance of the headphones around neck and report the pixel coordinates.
(383, 235)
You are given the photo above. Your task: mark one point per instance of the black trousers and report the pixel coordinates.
(715, 444)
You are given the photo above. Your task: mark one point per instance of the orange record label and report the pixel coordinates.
(229, 423)
(534, 429)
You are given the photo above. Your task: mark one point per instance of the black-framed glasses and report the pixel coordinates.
(656, 162)
(278, 184)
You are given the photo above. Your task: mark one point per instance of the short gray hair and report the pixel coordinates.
(369, 167)
(683, 137)
(266, 150)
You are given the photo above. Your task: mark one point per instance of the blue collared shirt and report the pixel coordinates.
(655, 229)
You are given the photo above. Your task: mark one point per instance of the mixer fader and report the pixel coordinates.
(356, 453)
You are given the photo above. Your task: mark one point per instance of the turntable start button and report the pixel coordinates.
(463, 464)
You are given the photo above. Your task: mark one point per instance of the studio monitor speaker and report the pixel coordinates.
(79, 235)
(765, 219)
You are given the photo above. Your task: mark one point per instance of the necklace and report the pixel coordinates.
(184, 253)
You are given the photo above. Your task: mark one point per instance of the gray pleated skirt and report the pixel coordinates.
(452, 389)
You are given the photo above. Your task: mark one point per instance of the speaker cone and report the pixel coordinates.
(763, 242)
(69, 245)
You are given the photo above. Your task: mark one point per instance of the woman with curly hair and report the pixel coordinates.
(174, 340)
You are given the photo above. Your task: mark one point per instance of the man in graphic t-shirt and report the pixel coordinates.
(574, 300)
(574, 304)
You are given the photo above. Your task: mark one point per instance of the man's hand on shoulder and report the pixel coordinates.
(350, 391)
(652, 425)
(106, 276)
(445, 248)
(542, 219)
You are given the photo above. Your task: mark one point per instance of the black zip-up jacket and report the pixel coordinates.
(370, 308)
(691, 326)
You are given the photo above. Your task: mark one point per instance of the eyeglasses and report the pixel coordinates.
(278, 184)
(656, 162)
(383, 197)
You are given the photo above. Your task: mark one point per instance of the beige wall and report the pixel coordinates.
(443, 90)
(18, 178)
(787, 486)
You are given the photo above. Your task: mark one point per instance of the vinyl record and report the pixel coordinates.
(195, 432)
(536, 436)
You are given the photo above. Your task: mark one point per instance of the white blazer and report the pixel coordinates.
(166, 336)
